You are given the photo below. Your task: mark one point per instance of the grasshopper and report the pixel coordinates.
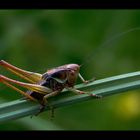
(43, 86)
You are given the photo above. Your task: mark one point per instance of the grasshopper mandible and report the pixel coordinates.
(43, 86)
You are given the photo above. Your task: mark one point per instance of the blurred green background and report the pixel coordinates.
(37, 40)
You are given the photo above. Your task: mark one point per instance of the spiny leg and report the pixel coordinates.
(27, 75)
(18, 90)
(86, 81)
(33, 87)
(83, 92)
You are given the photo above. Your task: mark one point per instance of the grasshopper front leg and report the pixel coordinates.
(83, 92)
(85, 81)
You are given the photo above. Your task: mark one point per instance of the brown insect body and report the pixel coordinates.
(57, 79)
(67, 73)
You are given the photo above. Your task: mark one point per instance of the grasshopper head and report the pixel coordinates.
(72, 74)
(74, 67)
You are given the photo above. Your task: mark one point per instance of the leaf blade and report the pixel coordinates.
(104, 87)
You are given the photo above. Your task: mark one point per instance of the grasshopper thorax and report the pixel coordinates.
(65, 75)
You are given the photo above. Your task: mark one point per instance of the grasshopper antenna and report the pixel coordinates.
(117, 36)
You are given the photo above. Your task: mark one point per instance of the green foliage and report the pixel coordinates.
(37, 40)
(105, 87)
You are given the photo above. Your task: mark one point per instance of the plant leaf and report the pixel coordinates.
(104, 87)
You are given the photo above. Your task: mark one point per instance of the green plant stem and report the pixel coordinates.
(104, 87)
